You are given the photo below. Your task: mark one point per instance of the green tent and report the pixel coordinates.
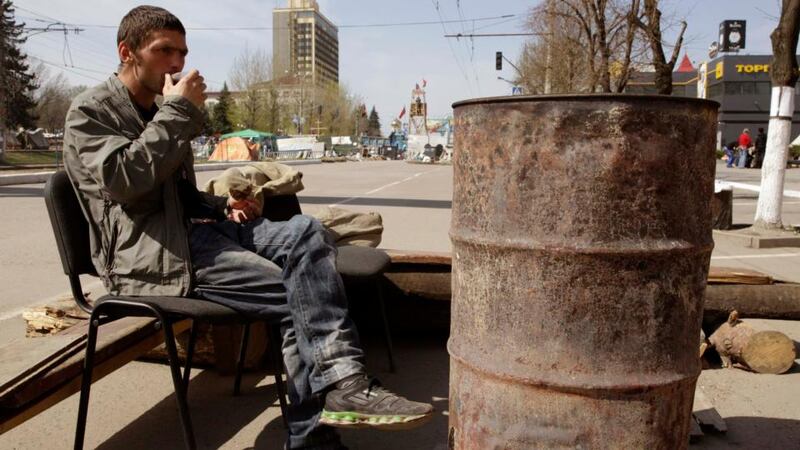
(247, 134)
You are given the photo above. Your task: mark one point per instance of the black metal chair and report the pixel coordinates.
(355, 264)
(72, 238)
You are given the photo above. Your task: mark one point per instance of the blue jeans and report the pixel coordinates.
(285, 272)
(731, 159)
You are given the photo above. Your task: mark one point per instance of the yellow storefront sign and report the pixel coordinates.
(752, 68)
(718, 70)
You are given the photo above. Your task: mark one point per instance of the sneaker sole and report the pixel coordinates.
(379, 422)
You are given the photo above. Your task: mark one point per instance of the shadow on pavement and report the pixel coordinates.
(17, 191)
(216, 414)
(763, 433)
(422, 374)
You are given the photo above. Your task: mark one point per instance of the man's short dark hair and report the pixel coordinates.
(137, 25)
(760, 130)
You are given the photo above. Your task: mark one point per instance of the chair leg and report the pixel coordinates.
(277, 365)
(189, 355)
(180, 392)
(86, 380)
(387, 335)
(237, 381)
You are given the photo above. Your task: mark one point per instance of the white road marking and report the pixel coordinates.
(394, 183)
(11, 314)
(768, 255)
(756, 203)
(757, 188)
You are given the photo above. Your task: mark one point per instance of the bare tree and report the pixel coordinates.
(53, 98)
(652, 30)
(594, 42)
(250, 71)
(784, 76)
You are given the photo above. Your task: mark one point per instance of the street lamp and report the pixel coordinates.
(507, 81)
(515, 88)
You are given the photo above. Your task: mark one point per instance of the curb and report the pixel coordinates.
(41, 177)
(754, 241)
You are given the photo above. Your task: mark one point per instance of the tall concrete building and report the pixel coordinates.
(305, 43)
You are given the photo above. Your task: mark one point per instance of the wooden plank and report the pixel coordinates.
(112, 338)
(25, 357)
(735, 275)
(706, 414)
(105, 363)
(418, 257)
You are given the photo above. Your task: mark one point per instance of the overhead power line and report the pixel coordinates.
(366, 25)
(460, 35)
(68, 69)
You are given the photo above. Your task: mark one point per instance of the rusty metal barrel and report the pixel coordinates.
(581, 232)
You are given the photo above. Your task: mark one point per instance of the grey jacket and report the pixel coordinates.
(126, 175)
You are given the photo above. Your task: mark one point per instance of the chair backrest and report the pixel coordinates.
(280, 208)
(69, 225)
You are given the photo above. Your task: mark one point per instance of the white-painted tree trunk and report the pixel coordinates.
(773, 171)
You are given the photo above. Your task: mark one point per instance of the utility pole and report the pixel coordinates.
(52, 27)
(2, 93)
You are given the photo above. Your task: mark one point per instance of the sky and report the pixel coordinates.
(380, 64)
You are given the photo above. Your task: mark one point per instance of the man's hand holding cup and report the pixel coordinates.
(192, 87)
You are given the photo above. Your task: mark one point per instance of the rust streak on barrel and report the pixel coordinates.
(581, 234)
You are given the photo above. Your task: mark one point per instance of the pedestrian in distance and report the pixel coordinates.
(745, 141)
(730, 153)
(153, 233)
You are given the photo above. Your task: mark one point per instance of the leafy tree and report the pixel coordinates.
(273, 110)
(333, 106)
(16, 83)
(360, 118)
(373, 123)
(208, 127)
(221, 123)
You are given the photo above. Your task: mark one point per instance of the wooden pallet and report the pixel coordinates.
(50, 371)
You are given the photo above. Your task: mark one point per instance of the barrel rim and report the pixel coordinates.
(585, 97)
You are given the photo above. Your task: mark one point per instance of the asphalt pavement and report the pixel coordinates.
(414, 201)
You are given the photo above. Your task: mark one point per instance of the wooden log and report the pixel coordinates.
(762, 351)
(776, 301)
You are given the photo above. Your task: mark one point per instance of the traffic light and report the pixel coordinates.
(498, 61)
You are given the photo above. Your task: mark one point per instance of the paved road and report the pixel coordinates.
(414, 200)
(760, 410)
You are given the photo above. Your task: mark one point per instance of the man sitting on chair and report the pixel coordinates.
(153, 233)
